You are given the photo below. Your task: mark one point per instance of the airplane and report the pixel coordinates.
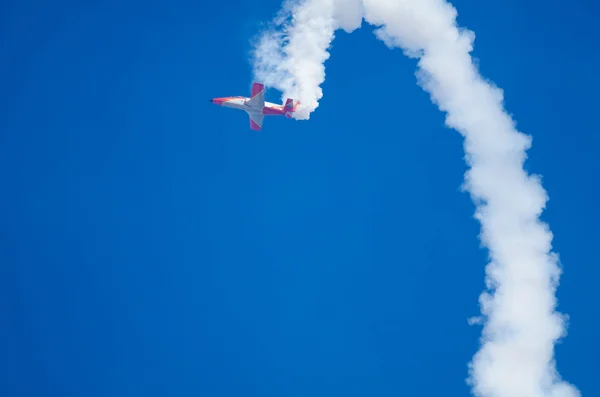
(256, 107)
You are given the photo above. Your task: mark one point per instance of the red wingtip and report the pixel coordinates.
(254, 126)
(256, 89)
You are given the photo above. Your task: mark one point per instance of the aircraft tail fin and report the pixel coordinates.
(290, 107)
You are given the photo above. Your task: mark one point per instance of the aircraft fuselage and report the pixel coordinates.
(256, 106)
(241, 103)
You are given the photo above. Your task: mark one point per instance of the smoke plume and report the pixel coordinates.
(291, 55)
(520, 324)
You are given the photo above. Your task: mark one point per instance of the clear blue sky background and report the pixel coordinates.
(152, 245)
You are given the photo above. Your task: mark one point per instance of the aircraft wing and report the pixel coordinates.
(256, 121)
(257, 99)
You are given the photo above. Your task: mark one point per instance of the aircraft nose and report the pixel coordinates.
(218, 101)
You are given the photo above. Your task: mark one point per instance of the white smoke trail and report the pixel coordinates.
(291, 56)
(521, 326)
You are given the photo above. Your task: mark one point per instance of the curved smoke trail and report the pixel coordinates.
(521, 326)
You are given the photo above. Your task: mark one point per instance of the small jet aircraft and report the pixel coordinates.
(256, 107)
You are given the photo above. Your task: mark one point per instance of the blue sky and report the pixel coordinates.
(151, 244)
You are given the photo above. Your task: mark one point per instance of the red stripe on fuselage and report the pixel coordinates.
(273, 111)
